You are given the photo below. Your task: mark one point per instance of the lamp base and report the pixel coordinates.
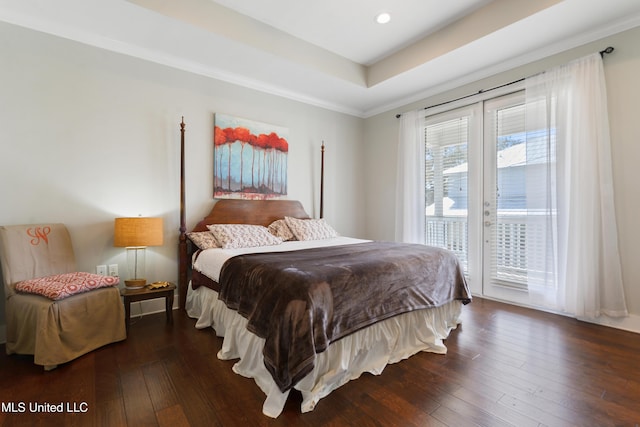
(135, 283)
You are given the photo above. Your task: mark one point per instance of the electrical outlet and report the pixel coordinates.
(101, 269)
(113, 269)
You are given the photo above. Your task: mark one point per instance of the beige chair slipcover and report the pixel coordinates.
(55, 332)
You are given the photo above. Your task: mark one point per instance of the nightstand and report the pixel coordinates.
(133, 295)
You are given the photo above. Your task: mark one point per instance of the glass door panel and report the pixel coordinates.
(506, 217)
(452, 185)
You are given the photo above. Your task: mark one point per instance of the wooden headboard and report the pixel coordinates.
(259, 212)
(235, 211)
(228, 211)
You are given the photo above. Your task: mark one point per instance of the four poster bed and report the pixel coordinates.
(302, 307)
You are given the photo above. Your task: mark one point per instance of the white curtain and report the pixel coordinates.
(570, 203)
(410, 196)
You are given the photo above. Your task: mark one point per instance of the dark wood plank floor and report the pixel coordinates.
(506, 366)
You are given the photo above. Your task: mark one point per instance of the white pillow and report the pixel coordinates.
(203, 239)
(279, 228)
(310, 229)
(234, 236)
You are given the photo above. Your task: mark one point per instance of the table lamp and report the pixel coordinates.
(136, 234)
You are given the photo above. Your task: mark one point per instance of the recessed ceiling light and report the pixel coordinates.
(383, 17)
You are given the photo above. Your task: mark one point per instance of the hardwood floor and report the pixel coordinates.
(506, 366)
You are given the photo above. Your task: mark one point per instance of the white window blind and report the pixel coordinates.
(508, 231)
(519, 249)
(446, 180)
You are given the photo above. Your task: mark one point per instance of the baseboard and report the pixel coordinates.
(143, 308)
(630, 323)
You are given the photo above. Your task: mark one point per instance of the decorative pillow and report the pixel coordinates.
(60, 286)
(234, 236)
(279, 228)
(203, 239)
(310, 229)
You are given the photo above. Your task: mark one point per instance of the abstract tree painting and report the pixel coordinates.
(250, 159)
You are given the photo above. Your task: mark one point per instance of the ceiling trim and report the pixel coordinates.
(547, 51)
(91, 39)
(222, 21)
(66, 29)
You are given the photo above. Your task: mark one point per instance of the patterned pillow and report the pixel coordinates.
(61, 286)
(203, 239)
(279, 228)
(234, 236)
(310, 229)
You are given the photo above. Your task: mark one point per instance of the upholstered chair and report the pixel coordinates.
(52, 311)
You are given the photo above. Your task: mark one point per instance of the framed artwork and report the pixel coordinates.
(250, 159)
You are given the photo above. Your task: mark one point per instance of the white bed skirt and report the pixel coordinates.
(368, 350)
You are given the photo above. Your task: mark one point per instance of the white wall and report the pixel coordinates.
(622, 69)
(87, 135)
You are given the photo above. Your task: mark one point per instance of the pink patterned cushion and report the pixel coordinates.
(61, 286)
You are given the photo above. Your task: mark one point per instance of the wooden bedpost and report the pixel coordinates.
(322, 180)
(182, 240)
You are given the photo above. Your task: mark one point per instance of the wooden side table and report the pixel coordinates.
(133, 295)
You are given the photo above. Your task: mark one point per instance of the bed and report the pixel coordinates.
(298, 314)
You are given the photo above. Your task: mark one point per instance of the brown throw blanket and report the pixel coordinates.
(301, 301)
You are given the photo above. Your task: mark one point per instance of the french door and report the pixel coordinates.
(453, 187)
(509, 222)
(476, 165)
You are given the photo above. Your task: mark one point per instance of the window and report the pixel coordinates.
(479, 198)
(526, 233)
(446, 183)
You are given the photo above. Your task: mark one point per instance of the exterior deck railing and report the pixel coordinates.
(512, 245)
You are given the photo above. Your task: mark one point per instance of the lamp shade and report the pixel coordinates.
(138, 231)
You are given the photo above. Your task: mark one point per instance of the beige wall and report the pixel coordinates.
(88, 135)
(622, 69)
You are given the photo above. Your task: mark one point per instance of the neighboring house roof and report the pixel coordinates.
(533, 152)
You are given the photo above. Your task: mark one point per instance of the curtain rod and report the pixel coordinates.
(602, 53)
